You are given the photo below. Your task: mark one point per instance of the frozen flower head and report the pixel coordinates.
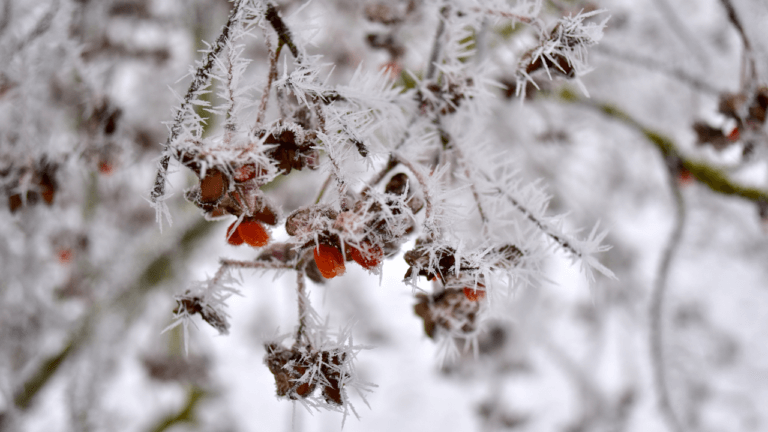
(563, 51)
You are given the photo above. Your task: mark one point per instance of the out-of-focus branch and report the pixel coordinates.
(680, 30)
(154, 273)
(657, 66)
(187, 412)
(749, 71)
(656, 309)
(713, 177)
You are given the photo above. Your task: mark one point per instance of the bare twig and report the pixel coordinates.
(283, 33)
(656, 310)
(749, 71)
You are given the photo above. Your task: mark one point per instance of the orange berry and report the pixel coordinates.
(233, 235)
(367, 259)
(329, 261)
(253, 233)
(473, 295)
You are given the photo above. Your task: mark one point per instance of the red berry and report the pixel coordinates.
(253, 233)
(329, 261)
(734, 135)
(233, 235)
(473, 295)
(685, 177)
(65, 256)
(369, 258)
(105, 168)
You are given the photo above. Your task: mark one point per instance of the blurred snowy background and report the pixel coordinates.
(88, 280)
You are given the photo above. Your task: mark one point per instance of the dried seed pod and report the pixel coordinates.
(449, 310)
(331, 369)
(397, 185)
(306, 220)
(213, 186)
(289, 367)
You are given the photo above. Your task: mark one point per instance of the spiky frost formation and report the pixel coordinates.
(208, 299)
(563, 50)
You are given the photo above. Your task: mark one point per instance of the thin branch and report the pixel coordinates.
(265, 265)
(283, 33)
(273, 56)
(437, 44)
(748, 65)
(201, 78)
(680, 30)
(42, 26)
(657, 66)
(302, 303)
(323, 188)
(656, 310)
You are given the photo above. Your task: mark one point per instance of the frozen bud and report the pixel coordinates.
(195, 304)
(397, 185)
(332, 368)
(289, 366)
(307, 220)
(449, 310)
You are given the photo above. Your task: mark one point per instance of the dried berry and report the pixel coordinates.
(253, 233)
(473, 294)
(329, 261)
(233, 235)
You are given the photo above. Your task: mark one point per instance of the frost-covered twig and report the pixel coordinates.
(201, 78)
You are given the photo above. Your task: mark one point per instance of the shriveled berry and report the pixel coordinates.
(253, 233)
(213, 186)
(473, 295)
(233, 235)
(329, 261)
(367, 258)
